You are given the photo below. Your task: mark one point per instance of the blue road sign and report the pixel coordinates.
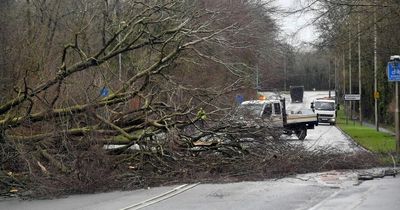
(239, 99)
(393, 71)
(104, 92)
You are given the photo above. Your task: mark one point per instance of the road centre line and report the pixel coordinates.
(322, 202)
(159, 198)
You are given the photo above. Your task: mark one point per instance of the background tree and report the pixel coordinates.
(337, 22)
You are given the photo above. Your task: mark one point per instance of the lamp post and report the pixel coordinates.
(376, 93)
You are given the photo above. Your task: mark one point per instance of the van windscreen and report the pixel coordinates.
(328, 106)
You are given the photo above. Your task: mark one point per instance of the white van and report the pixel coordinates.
(325, 108)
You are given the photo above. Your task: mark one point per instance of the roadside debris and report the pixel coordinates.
(222, 150)
(375, 174)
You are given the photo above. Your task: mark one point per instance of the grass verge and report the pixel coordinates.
(380, 143)
(369, 138)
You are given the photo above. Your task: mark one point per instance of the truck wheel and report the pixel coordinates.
(301, 134)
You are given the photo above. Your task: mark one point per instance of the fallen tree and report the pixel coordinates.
(130, 52)
(60, 135)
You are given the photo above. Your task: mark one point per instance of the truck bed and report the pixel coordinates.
(302, 118)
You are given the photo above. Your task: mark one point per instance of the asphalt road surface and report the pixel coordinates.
(320, 191)
(324, 135)
(325, 191)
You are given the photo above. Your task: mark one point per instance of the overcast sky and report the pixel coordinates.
(296, 23)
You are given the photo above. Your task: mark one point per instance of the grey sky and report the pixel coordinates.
(296, 23)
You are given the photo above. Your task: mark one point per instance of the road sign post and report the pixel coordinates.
(396, 119)
(352, 97)
(393, 72)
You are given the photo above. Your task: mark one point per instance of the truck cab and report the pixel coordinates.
(326, 110)
(267, 110)
(273, 113)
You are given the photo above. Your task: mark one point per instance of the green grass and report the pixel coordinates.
(367, 137)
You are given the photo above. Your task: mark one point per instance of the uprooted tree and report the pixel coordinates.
(129, 73)
(100, 92)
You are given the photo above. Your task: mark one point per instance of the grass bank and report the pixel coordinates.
(369, 138)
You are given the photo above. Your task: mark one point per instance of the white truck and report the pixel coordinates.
(273, 113)
(326, 110)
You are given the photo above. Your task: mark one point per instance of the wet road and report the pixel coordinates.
(324, 135)
(319, 191)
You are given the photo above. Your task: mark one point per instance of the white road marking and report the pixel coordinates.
(363, 197)
(319, 204)
(159, 198)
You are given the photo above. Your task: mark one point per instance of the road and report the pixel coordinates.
(319, 191)
(324, 135)
(325, 191)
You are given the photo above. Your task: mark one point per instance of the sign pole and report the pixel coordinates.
(396, 119)
(393, 72)
(347, 112)
(350, 98)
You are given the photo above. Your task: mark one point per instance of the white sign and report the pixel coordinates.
(352, 97)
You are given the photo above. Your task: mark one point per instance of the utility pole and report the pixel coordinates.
(119, 64)
(344, 73)
(344, 85)
(117, 14)
(350, 85)
(376, 94)
(359, 71)
(329, 75)
(336, 84)
(257, 78)
(284, 71)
